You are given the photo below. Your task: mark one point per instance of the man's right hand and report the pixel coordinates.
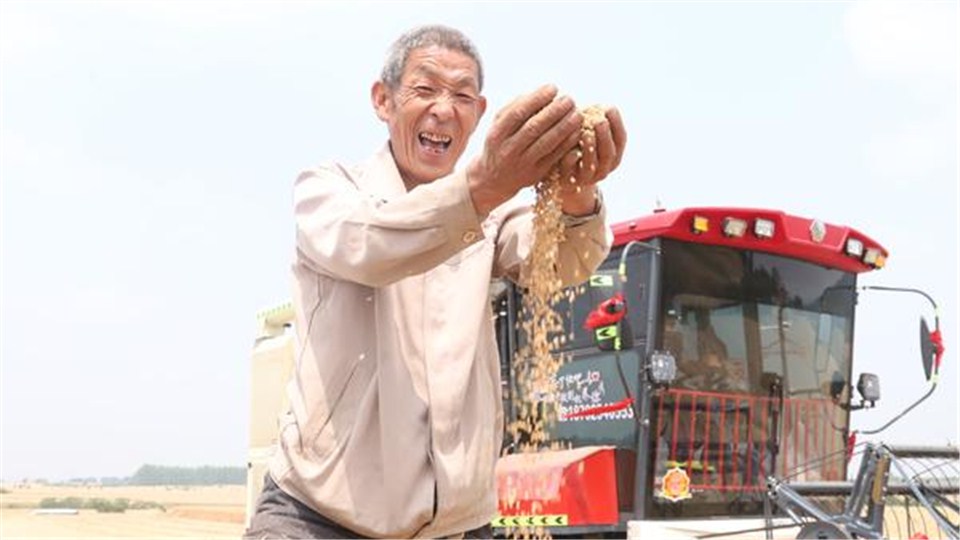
(528, 138)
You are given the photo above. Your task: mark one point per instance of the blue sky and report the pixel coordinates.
(147, 153)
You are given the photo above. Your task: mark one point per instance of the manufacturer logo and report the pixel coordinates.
(676, 485)
(818, 230)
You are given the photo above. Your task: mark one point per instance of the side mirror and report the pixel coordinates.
(928, 350)
(868, 386)
(931, 349)
(662, 368)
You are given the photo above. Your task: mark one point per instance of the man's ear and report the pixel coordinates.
(481, 108)
(382, 100)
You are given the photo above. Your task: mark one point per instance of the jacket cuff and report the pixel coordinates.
(460, 220)
(575, 221)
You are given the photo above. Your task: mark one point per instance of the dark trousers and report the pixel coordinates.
(280, 516)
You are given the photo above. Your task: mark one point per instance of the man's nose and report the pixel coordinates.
(443, 107)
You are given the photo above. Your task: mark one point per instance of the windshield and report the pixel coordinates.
(730, 316)
(763, 349)
(735, 319)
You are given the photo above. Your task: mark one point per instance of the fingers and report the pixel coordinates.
(566, 147)
(610, 140)
(514, 116)
(548, 133)
(568, 165)
(618, 133)
(606, 150)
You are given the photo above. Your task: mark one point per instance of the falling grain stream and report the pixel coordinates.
(536, 364)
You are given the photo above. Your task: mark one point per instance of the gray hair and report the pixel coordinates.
(426, 36)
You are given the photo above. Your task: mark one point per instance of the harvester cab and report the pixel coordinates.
(710, 352)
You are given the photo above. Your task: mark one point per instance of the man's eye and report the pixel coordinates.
(424, 89)
(466, 97)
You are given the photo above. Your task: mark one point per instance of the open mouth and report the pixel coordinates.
(434, 142)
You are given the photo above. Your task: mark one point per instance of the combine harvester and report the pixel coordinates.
(707, 393)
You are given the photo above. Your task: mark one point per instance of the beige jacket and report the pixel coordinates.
(396, 419)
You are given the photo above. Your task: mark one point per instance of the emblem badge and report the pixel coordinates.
(818, 230)
(676, 485)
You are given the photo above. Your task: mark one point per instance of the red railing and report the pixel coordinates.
(733, 442)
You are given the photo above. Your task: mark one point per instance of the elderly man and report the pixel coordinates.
(396, 422)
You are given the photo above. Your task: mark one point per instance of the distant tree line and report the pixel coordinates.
(160, 475)
(118, 505)
(93, 480)
(157, 475)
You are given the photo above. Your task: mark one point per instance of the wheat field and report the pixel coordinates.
(189, 512)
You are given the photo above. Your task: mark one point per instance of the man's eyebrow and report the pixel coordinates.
(462, 80)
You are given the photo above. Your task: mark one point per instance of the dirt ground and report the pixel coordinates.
(190, 512)
(216, 512)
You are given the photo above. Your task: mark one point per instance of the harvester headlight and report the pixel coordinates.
(874, 258)
(734, 227)
(663, 367)
(854, 247)
(763, 228)
(869, 387)
(700, 224)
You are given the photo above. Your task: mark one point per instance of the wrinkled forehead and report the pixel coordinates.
(442, 64)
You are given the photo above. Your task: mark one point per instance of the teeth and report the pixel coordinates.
(437, 138)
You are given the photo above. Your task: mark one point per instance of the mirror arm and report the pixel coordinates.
(936, 309)
(863, 405)
(902, 414)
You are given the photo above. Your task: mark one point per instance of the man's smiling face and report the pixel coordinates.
(432, 112)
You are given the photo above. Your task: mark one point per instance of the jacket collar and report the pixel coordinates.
(381, 176)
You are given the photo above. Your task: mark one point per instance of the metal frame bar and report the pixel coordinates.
(869, 490)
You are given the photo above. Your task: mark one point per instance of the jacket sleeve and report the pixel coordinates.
(583, 250)
(348, 234)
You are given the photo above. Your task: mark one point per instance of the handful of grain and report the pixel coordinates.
(535, 366)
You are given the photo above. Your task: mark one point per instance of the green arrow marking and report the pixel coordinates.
(550, 520)
(607, 332)
(600, 280)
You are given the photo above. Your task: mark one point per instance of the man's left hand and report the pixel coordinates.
(600, 155)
